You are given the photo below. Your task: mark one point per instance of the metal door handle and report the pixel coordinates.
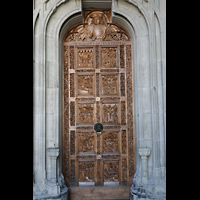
(98, 127)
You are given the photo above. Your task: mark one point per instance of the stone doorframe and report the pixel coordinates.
(142, 21)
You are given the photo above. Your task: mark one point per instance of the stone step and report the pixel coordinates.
(99, 193)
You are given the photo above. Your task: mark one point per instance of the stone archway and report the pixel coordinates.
(145, 25)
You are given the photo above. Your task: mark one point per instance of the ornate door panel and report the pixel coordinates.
(97, 87)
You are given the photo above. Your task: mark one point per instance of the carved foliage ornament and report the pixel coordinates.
(97, 27)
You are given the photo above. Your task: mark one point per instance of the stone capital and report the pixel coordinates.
(53, 152)
(144, 152)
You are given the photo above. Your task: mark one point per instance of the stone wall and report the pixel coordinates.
(145, 20)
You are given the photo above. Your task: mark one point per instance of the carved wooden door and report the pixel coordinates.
(98, 88)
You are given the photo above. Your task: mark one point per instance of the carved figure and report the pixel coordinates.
(110, 113)
(109, 57)
(87, 32)
(110, 84)
(97, 27)
(85, 85)
(85, 113)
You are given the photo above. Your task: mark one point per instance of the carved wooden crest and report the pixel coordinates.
(97, 26)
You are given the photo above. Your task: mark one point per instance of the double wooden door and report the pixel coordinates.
(98, 88)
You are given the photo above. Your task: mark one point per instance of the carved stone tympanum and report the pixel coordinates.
(97, 88)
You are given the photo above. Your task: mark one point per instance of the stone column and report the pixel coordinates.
(52, 186)
(144, 153)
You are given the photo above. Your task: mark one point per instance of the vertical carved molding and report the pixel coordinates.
(72, 89)
(73, 173)
(98, 111)
(98, 182)
(121, 56)
(72, 113)
(124, 171)
(98, 144)
(98, 173)
(122, 85)
(130, 111)
(123, 113)
(72, 142)
(66, 116)
(66, 64)
(97, 57)
(124, 151)
(72, 57)
(97, 84)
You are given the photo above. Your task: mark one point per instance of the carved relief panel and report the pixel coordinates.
(109, 57)
(111, 171)
(97, 87)
(85, 113)
(111, 142)
(86, 142)
(86, 171)
(85, 57)
(110, 113)
(85, 85)
(110, 84)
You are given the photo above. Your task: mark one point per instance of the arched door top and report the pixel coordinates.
(97, 26)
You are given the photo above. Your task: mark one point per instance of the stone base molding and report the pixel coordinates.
(62, 196)
(55, 187)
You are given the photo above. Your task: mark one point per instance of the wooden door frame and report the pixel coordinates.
(63, 136)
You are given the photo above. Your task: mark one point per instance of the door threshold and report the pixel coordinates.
(99, 192)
